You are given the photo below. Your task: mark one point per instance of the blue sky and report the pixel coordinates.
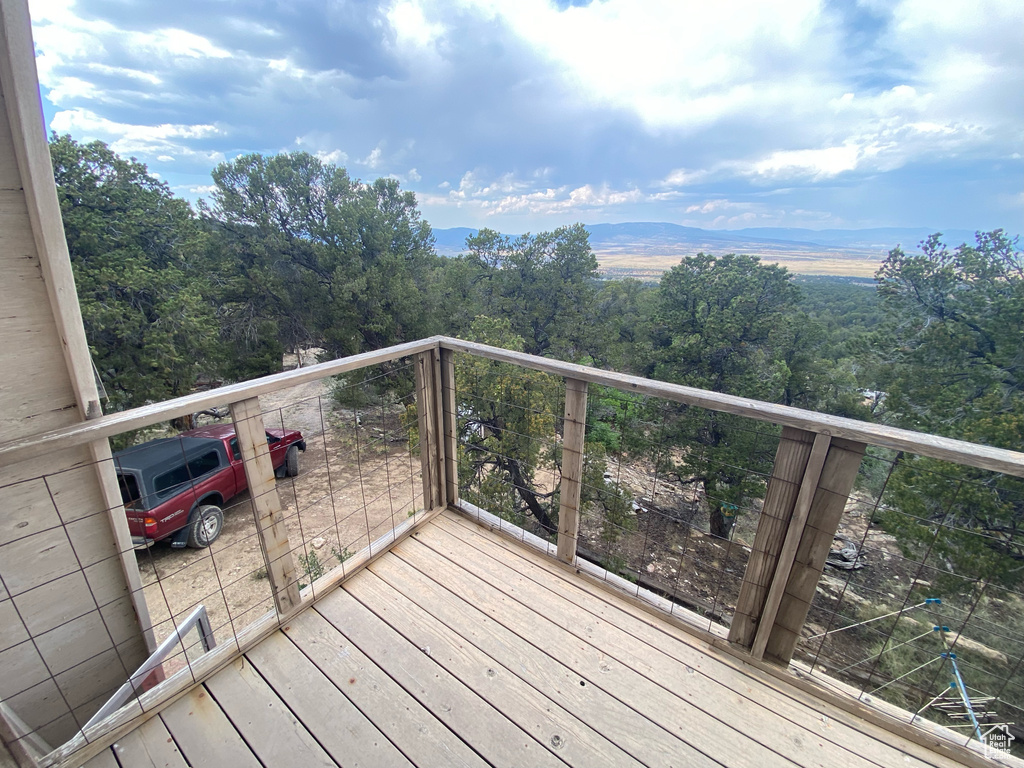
(523, 115)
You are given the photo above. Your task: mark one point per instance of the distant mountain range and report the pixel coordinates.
(647, 237)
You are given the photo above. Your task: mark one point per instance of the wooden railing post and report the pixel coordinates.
(794, 531)
(827, 506)
(22, 746)
(104, 461)
(450, 417)
(809, 486)
(779, 501)
(259, 472)
(430, 418)
(573, 432)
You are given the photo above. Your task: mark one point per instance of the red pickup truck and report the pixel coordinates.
(176, 486)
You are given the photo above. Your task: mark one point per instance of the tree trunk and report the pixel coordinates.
(721, 520)
(530, 498)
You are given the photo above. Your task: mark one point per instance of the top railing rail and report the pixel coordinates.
(932, 446)
(111, 424)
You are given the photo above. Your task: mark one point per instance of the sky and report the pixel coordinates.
(523, 115)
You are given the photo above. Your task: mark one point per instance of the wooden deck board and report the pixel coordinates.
(572, 740)
(459, 648)
(758, 703)
(149, 746)
(497, 739)
(632, 732)
(268, 726)
(548, 628)
(420, 737)
(204, 734)
(104, 759)
(347, 735)
(843, 727)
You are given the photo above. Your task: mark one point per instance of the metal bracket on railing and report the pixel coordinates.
(198, 619)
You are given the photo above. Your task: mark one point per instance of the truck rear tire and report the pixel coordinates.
(204, 528)
(291, 462)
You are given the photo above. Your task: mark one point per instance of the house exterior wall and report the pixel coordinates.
(70, 627)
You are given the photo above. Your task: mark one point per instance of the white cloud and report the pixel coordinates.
(89, 122)
(682, 66)
(411, 25)
(471, 186)
(51, 10)
(142, 141)
(133, 74)
(671, 195)
(712, 206)
(579, 112)
(68, 89)
(372, 160)
(509, 195)
(681, 177)
(177, 42)
(64, 37)
(721, 213)
(333, 157)
(818, 164)
(201, 190)
(673, 64)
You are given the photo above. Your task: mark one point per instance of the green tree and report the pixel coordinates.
(138, 255)
(455, 290)
(847, 308)
(508, 427)
(951, 345)
(952, 361)
(619, 332)
(318, 258)
(817, 380)
(721, 324)
(543, 283)
(507, 424)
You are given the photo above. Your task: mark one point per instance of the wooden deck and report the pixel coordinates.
(460, 648)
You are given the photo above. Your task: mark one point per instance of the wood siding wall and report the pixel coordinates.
(69, 631)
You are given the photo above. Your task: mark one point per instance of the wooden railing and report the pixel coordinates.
(816, 463)
(279, 553)
(815, 467)
(814, 470)
(813, 488)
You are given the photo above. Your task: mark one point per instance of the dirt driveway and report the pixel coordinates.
(357, 480)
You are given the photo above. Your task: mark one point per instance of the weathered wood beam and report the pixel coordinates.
(273, 533)
(573, 433)
(807, 493)
(830, 497)
(451, 422)
(794, 532)
(428, 408)
(438, 438)
(776, 512)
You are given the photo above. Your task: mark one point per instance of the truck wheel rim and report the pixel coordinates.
(210, 527)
